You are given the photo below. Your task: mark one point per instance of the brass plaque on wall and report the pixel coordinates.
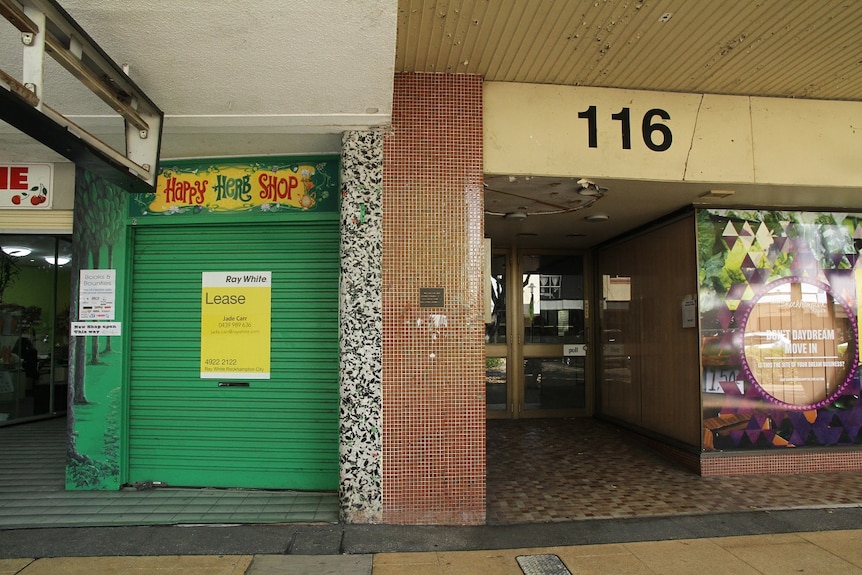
(431, 297)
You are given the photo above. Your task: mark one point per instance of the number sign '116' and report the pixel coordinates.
(656, 136)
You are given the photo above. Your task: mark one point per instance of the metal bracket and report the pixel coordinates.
(46, 28)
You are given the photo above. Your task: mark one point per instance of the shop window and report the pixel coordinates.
(35, 278)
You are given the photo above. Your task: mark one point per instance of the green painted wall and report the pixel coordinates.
(97, 364)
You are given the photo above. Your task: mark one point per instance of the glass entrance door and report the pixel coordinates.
(537, 336)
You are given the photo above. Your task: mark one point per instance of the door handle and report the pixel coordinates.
(233, 384)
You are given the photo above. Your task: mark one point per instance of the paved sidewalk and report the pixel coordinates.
(816, 553)
(192, 565)
(810, 541)
(809, 553)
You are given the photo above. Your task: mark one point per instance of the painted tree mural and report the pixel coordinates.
(99, 221)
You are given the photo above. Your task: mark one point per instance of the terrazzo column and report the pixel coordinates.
(361, 327)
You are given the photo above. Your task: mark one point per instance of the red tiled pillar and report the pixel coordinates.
(433, 353)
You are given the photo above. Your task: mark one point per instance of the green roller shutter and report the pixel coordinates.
(280, 433)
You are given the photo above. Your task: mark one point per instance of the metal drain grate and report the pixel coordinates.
(542, 565)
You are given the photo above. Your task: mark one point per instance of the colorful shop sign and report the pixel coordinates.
(26, 186)
(269, 185)
(235, 325)
(779, 307)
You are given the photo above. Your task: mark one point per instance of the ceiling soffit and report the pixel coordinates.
(777, 48)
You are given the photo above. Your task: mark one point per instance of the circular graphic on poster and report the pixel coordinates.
(799, 344)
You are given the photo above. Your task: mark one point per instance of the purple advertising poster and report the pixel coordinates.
(779, 331)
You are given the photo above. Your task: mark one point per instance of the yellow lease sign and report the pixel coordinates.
(235, 325)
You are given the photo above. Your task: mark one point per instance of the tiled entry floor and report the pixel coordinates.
(569, 469)
(32, 472)
(539, 470)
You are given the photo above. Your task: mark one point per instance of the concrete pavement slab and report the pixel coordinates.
(844, 544)
(316, 540)
(601, 560)
(687, 556)
(163, 565)
(151, 540)
(13, 566)
(311, 565)
(498, 562)
(788, 553)
(749, 555)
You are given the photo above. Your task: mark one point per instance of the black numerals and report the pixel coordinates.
(624, 116)
(656, 135)
(649, 128)
(590, 115)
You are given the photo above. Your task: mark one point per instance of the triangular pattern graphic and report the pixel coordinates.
(764, 236)
(749, 272)
(747, 239)
(736, 291)
(755, 255)
(730, 231)
(760, 277)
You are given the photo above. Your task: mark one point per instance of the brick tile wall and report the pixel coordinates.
(433, 357)
(784, 462)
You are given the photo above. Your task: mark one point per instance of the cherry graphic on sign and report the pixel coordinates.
(38, 195)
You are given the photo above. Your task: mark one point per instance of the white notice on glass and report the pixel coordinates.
(97, 294)
(84, 328)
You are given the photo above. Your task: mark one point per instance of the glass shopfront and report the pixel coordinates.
(35, 275)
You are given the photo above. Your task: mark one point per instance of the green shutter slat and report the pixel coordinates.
(278, 433)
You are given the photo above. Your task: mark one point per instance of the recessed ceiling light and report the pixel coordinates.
(597, 218)
(16, 251)
(516, 216)
(61, 261)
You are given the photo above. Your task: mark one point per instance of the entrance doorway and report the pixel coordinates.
(537, 336)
